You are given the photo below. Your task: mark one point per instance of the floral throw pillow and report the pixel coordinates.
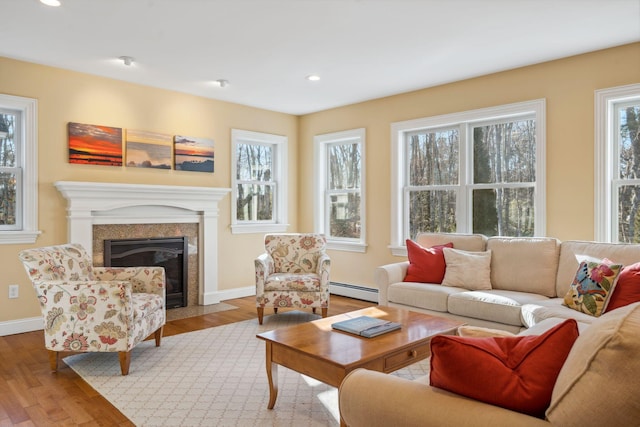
(591, 286)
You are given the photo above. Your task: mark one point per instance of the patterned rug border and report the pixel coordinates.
(221, 380)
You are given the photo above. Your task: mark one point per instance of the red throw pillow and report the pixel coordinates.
(516, 373)
(627, 289)
(426, 265)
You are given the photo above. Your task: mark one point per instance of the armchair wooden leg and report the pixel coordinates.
(275, 310)
(158, 336)
(324, 311)
(125, 361)
(53, 360)
(313, 309)
(260, 314)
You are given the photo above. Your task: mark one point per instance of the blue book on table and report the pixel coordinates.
(366, 326)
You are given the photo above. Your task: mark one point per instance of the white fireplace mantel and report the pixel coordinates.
(90, 203)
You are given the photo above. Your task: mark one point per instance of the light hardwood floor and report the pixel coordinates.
(31, 395)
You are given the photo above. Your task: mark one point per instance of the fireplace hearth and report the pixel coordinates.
(170, 253)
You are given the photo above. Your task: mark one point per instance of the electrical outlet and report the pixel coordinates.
(14, 291)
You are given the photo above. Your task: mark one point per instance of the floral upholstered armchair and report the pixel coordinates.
(294, 272)
(88, 309)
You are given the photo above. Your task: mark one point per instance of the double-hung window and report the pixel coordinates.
(479, 171)
(339, 189)
(258, 172)
(18, 170)
(617, 164)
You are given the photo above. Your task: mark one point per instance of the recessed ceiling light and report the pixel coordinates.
(313, 77)
(126, 60)
(221, 83)
(54, 3)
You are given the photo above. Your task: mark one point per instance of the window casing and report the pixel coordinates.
(479, 171)
(18, 170)
(258, 172)
(339, 189)
(617, 164)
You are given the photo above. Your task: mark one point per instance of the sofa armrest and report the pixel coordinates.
(324, 268)
(150, 280)
(264, 267)
(387, 275)
(373, 399)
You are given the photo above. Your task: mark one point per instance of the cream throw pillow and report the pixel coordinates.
(469, 270)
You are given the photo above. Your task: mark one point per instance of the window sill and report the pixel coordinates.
(14, 237)
(347, 246)
(258, 228)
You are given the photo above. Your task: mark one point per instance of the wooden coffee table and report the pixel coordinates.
(316, 350)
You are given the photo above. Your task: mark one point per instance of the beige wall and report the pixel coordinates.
(65, 96)
(568, 86)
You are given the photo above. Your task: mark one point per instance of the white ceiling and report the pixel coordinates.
(362, 49)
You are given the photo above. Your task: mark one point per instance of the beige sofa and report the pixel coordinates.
(597, 386)
(529, 278)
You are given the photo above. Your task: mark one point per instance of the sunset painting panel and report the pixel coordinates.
(148, 149)
(95, 145)
(193, 154)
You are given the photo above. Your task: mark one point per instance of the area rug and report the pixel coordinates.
(214, 377)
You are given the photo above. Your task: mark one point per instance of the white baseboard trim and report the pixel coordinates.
(20, 326)
(237, 293)
(354, 291)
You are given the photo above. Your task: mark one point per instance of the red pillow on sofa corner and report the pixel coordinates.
(627, 289)
(426, 265)
(516, 373)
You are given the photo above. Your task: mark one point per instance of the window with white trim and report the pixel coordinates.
(617, 164)
(18, 170)
(258, 171)
(479, 171)
(339, 189)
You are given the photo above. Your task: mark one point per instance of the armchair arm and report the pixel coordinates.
(387, 275)
(373, 399)
(264, 267)
(86, 315)
(149, 280)
(324, 268)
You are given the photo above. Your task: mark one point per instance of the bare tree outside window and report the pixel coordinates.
(628, 135)
(9, 170)
(254, 169)
(343, 190)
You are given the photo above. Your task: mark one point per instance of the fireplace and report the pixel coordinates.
(92, 204)
(170, 253)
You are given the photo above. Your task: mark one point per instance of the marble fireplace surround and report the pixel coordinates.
(90, 203)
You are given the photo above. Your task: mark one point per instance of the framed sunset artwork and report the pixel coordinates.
(148, 149)
(193, 154)
(95, 145)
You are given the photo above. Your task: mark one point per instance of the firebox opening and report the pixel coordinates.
(170, 253)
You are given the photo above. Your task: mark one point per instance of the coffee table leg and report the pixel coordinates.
(272, 376)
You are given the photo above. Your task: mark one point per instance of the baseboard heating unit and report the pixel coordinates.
(354, 291)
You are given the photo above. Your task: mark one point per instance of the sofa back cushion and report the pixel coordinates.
(572, 250)
(598, 383)
(524, 264)
(465, 242)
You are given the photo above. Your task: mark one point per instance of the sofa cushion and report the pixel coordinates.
(568, 262)
(524, 264)
(422, 295)
(598, 384)
(517, 373)
(495, 305)
(533, 313)
(469, 270)
(591, 286)
(627, 289)
(466, 242)
(426, 265)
